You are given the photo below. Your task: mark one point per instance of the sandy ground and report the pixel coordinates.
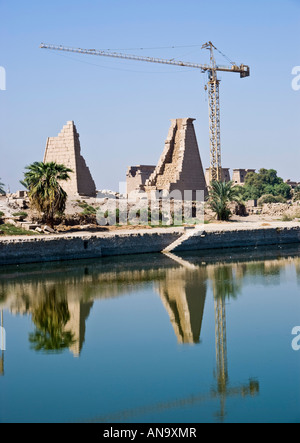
(236, 222)
(213, 227)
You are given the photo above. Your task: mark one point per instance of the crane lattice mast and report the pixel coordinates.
(213, 90)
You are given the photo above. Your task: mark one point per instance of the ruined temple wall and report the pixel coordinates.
(191, 174)
(225, 175)
(180, 167)
(166, 156)
(136, 177)
(239, 175)
(65, 149)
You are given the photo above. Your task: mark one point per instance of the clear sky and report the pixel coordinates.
(122, 109)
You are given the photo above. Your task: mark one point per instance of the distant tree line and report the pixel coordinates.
(264, 186)
(265, 182)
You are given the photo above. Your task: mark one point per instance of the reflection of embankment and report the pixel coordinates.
(80, 280)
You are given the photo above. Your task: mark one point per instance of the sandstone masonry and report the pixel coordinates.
(180, 167)
(137, 177)
(225, 175)
(65, 149)
(239, 176)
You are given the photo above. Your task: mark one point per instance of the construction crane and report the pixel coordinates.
(213, 88)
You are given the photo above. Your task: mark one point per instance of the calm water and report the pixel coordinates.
(153, 339)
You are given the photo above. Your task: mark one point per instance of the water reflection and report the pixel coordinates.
(50, 318)
(298, 271)
(59, 298)
(225, 286)
(2, 345)
(183, 294)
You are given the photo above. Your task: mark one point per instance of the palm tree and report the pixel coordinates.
(1, 188)
(46, 195)
(220, 195)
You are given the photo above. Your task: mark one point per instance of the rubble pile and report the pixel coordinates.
(281, 209)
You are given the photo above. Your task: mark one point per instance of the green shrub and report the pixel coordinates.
(265, 182)
(269, 198)
(8, 229)
(20, 214)
(87, 209)
(287, 218)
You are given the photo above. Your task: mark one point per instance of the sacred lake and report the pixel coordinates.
(196, 337)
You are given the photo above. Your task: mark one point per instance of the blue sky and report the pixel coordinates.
(122, 109)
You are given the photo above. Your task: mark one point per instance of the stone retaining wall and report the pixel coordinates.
(235, 238)
(80, 246)
(33, 250)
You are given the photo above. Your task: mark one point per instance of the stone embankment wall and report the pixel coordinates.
(80, 246)
(240, 237)
(55, 248)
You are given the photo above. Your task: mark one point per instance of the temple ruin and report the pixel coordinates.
(137, 177)
(239, 176)
(179, 167)
(65, 149)
(225, 175)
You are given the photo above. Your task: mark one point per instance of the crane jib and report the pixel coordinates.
(243, 70)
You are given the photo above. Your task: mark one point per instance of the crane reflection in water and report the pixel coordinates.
(184, 298)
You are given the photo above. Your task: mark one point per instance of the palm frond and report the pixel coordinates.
(220, 195)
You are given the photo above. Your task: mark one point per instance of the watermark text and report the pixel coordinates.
(2, 79)
(296, 340)
(157, 208)
(296, 79)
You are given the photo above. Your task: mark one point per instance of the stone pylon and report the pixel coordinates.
(65, 149)
(180, 166)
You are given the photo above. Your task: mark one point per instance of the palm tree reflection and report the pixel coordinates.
(50, 318)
